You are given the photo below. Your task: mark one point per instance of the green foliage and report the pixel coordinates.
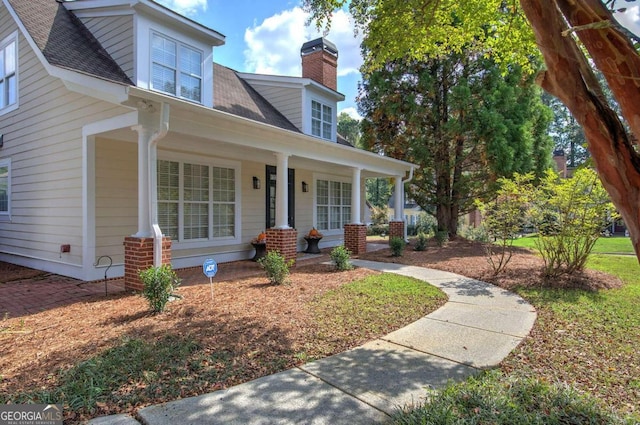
(349, 128)
(380, 215)
(504, 218)
(421, 242)
(494, 399)
(461, 120)
(570, 215)
(378, 193)
(340, 256)
(396, 244)
(159, 284)
(374, 305)
(276, 267)
(442, 237)
(478, 233)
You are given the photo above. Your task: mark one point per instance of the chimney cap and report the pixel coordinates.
(558, 152)
(319, 43)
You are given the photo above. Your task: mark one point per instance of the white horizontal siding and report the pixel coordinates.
(286, 100)
(116, 196)
(115, 34)
(43, 139)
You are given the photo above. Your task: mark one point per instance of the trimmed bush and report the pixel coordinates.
(276, 267)
(340, 256)
(159, 284)
(397, 246)
(421, 242)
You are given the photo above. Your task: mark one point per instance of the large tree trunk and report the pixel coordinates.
(570, 78)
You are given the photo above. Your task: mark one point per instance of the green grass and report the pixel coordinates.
(586, 340)
(618, 244)
(393, 300)
(494, 399)
(138, 371)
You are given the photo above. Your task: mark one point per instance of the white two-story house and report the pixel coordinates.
(120, 136)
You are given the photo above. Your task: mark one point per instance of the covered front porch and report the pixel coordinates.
(181, 183)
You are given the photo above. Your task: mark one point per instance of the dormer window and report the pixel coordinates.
(176, 68)
(321, 120)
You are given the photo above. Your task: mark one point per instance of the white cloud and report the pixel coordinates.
(630, 19)
(273, 46)
(188, 8)
(352, 112)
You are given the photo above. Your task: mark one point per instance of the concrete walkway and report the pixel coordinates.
(477, 328)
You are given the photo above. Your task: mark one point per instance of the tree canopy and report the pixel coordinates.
(563, 32)
(462, 121)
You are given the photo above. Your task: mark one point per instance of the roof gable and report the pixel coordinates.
(234, 95)
(64, 41)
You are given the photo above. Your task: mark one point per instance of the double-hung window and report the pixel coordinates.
(197, 202)
(176, 68)
(333, 204)
(321, 120)
(8, 73)
(5, 188)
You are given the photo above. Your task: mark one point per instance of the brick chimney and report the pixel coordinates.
(320, 62)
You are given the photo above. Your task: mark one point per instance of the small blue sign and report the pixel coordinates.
(210, 268)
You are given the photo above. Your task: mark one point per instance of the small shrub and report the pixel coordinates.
(159, 284)
(421, 242)
(442, 237)
(276, 267)
(340, 257)
(472, 233)
(397, 246)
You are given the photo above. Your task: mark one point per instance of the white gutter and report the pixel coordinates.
(153, 183)
(406, 238)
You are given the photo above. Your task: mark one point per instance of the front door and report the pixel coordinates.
(271, 197)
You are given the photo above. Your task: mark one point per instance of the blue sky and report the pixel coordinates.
(265, 36)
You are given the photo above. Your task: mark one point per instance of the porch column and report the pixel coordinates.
(146, 248)
(355, 196)
(282, 193)
(396, 226)
(281, 237)
(144, 216)
(355, 233)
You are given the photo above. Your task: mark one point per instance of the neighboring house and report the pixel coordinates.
(121, 137)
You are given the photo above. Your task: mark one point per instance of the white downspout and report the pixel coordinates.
(153, 183)
(406, 238)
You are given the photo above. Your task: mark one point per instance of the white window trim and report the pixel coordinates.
(13, 37)
(332, 135)
(6, 215)
(212, 162)
(177, 69)
(340, 179)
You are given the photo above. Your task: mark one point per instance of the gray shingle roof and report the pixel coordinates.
(234, 95)
(65, 41)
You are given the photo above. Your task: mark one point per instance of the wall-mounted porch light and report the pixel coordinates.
(305, 187)
(256, 182)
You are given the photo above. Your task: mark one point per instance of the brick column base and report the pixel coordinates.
(138, 255)
(283, 241)
(355, 238)
(396, 230)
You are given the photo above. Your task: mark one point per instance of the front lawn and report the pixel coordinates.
(610, 245)
(585, 341)
(110, 355)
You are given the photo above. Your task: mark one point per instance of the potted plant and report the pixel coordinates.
(313, 238)
(260, 245)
